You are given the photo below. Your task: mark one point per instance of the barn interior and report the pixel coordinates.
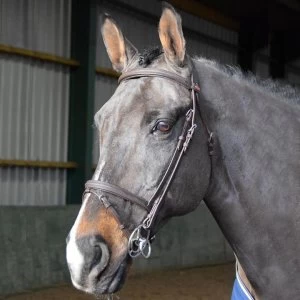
(55, 75)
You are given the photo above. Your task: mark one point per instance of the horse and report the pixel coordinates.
(179, 130)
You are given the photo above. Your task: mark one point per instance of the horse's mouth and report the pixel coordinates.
(108, 281)
(113, 283)
(118, 279)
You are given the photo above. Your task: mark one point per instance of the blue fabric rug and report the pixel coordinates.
(239, 292)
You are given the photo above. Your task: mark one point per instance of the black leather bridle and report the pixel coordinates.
(139, 241)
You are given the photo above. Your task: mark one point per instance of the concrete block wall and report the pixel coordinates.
(32, 245)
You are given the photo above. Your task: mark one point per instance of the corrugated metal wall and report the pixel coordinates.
(261, 63)
(34, 95)
(40, 25)
(141, 30)
(293, 75)
(34, 99)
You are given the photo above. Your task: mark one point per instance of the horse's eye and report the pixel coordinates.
(162, 126)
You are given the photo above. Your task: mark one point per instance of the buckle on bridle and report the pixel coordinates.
(189, 137)
(189, 114)
(138, 243)
(196, 87)
(210, 143)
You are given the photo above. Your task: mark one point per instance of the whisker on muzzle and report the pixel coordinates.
(108, 297)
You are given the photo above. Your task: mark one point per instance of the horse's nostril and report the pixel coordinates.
(94, 251)
(97, 256)
(87, 257)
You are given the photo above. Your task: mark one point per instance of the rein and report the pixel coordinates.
(139, 242)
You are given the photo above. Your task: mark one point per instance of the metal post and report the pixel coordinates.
(82, 89)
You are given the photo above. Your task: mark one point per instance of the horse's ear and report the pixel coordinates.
(119, 49)
(171, 36)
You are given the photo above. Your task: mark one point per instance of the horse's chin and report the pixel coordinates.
(118, 279)
(112, 283)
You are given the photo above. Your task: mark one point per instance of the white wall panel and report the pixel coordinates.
(40, 25)
(293, 78)
(33, 110)
(33, 126)
(261, 68)
(28, 186)
(208, 28)
(189, 21)
(34, 100)
(293, 72)
(199, 49)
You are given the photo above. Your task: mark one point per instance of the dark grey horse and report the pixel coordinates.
(250, 183)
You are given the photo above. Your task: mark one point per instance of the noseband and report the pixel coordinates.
(139, 242)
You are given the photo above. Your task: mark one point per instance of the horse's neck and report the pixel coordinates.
(257, 140)
(252, 176)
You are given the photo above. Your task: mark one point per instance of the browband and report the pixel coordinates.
(156, 73)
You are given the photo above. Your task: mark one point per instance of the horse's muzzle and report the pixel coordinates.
(87, 259)
(91, 267)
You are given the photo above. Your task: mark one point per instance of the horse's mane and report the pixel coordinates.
(279, 89)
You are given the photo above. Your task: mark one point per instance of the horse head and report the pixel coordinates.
(139, 129)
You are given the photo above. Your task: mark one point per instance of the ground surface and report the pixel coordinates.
(208, 283)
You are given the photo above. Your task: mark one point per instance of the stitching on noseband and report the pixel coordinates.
(139, 242)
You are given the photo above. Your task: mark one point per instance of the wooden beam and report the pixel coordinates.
(38, 164)
(38, 55)
(200, 10)
(107, 72)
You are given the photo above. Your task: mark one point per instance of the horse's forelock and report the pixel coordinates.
(149, 55)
